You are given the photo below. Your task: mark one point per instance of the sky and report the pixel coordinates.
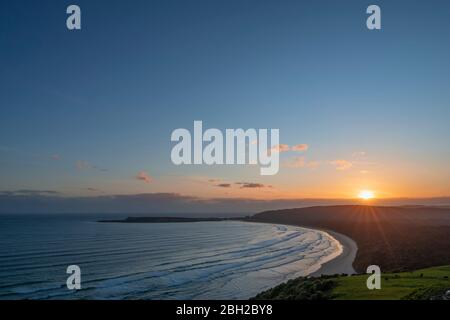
(89, 113)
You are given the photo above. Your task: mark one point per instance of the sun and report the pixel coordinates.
(366, 195)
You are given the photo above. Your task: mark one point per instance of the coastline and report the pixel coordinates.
(343, 263)
(340, 264)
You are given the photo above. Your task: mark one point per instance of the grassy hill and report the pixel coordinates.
(430, 283)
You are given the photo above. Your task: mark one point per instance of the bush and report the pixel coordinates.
(300, 289)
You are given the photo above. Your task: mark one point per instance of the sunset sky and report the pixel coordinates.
(90, 112)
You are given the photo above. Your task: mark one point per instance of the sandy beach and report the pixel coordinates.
(342, 263)
(394, 238)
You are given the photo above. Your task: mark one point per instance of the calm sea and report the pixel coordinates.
(201, 260)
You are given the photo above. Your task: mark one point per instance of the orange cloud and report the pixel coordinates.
(342, 164)
(252, 185)
(300, 147)
(223, 185)
(300, 162)
(144, 176)
(295, 162)
(280, 148)
(285, 148)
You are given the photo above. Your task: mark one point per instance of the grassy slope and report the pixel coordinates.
(405, 285)
(420, 284)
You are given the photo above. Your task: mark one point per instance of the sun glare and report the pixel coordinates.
(366, 195)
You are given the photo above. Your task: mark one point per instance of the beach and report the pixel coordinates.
(394, 238)
(342, 263)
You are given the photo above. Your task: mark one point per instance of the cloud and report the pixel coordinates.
(280, 148)
(55, 157)
(285, 148)
(173, 204)
(341, 164)
(300, 162)
(223, 185)
(295, 162)
(359, 154)
(82, 165)
(30, 192)
(312, 164)
(300, 147)
(93, 189)
(240, 184)
(252, 185)
(144, 176)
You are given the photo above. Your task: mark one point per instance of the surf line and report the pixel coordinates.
(241, 147)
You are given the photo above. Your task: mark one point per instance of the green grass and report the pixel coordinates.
(420, 284)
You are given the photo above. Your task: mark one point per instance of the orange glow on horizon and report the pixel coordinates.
(366, 194)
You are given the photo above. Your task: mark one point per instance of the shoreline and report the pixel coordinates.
(343, 263)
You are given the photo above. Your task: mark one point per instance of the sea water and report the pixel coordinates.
(198, 260)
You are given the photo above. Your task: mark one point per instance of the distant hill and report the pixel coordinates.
(395, 238)
(164, 220)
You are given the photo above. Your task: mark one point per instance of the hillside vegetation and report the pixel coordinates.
(424, 284)
(397, 239)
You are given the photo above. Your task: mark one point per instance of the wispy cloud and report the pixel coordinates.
(252, 185)
(144, 176)
(359, 154)
(295, 162)
(31, 192)
(285, 148)
(280, 148)
(342, 164)
(93, 189)
(81, 165)
(300, 162)
(223, 185)
(170, 203)
(300, 147)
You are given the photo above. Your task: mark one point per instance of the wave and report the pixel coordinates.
(204, 260)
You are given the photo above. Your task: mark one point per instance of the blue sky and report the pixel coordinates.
(90, 109)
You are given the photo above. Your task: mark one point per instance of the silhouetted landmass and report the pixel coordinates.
(395, 238)
(164, 219)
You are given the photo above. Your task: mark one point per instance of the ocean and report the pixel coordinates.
(199, 260)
